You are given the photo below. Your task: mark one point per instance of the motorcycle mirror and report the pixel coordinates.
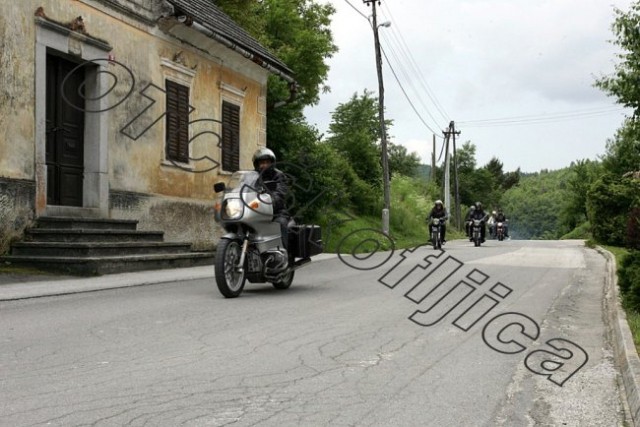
(218, 187)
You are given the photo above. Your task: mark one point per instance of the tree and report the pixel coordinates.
(582, 175)
(401, 162)
(624, 83)
(609, 202)
(298, 33)
(355, 130)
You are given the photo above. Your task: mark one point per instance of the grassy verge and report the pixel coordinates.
(633, 317)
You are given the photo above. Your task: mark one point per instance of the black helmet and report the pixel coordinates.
(263, 154)
(478, 206)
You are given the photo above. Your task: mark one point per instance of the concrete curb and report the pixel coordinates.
(49, 288)
(625, 353)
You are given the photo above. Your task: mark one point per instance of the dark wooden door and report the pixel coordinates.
(65, 133)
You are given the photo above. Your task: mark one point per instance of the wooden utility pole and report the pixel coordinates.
(451, 132)
(433, 159)
(383, 130)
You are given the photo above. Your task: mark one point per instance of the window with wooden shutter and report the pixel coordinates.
(230, 137)
(177, 122)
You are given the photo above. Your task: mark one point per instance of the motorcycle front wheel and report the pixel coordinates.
(435, 239)
(285, 282)
(230, 281)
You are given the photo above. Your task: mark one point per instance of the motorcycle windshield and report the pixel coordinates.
(242, 181)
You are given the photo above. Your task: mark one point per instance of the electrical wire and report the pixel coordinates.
(396, 77)
(541, 118)
(414, 65)
(406, 95)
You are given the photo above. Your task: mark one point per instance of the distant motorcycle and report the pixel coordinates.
(500, 231)
(252, 246)
(476, 232)
(436, 232)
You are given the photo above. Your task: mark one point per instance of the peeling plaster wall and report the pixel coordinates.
(16, 209)
(17, 35)
(182, 221)
(174, 200)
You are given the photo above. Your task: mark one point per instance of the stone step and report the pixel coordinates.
(90, 235)
(91, 266)
(84, 249)
(66, 223)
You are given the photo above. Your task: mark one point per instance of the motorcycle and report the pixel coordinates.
(476, 232)
(252, 247)
(500, 231)
(436, 232)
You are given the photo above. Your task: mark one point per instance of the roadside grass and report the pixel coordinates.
(363, 234)
(582, 231)
(15, 270)
(633, 317)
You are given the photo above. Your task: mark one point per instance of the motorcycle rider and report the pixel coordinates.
(491, 222)
(479, 213)
(439, 211)
(501, 217)
(467, 220)
(275, 183)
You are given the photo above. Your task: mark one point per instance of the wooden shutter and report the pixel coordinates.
(177, 119)
(230, 137)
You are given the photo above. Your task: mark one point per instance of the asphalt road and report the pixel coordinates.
(343, 347)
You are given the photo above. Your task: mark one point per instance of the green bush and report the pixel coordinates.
(629, 280)
(609, 201)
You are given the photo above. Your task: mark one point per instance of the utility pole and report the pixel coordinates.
(447, 190)
(451, 132)
(433, 159)
(383, 130)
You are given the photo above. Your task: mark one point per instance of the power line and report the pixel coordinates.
(396, 76)
(407, 96)
(357, 10)
(410, 82)
(414, 65)
(540, 119)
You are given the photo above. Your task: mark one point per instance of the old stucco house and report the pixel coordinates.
(126, 109)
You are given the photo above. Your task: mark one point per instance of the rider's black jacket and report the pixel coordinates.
(501, 217)
(438, 213)
(479, 214)
(275, 182)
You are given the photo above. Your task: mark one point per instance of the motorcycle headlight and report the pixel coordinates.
(233, 208)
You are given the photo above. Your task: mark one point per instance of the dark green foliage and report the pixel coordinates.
(623, 152)
(534, 205)
(355, 130)
(609, 202)
(582, 175)
(633, 228)
(629, 280)
(401, 162)
(624, 83)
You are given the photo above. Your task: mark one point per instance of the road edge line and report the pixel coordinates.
(626, 355)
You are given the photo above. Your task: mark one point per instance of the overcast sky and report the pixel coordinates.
(531, 62)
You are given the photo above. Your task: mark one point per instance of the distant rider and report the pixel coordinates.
(439, 211)
(491, 222)
(501, 217)
(479, 213)
(467, 220)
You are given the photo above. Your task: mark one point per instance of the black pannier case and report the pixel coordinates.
(305, 240)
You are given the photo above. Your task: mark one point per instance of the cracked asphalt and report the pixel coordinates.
(337, 348)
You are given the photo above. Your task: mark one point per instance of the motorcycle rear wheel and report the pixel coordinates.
(230, 282)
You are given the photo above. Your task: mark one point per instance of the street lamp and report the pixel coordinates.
(383, 129)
